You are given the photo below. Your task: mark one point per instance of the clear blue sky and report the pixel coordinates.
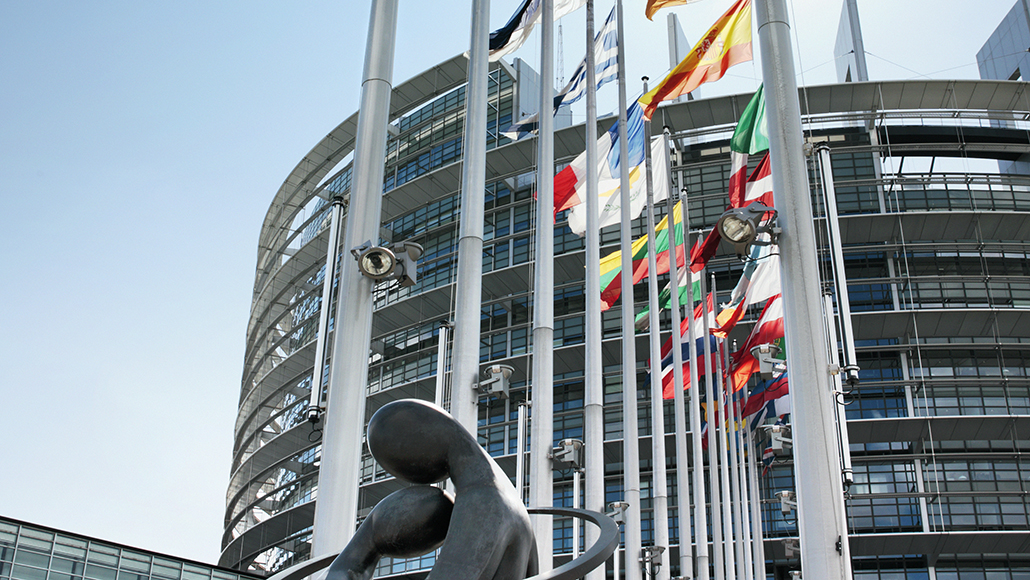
(140, 145)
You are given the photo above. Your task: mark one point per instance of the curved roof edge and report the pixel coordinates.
(339, 142)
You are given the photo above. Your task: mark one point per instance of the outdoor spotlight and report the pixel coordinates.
(741, 225)
(375, 262)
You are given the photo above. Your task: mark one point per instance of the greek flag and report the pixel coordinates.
(606, 69)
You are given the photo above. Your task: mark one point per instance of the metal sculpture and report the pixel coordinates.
(483, 532)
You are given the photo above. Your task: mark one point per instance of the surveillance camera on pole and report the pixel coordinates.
(496, 381)
(568, 453)
(741, 225)
(768, 364)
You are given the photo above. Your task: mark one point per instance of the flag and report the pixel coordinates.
(752, 132)
(703, 251)
(727, 42)
(778, 407)
(610, 192)
(606, 68)
(750, 136)
(667, 366)
(696, 320)
(687, 292)
(759, 185)
(656, 5)
(768, 329)
(759, 282)
(570, 183)
(611, 265)
(763, 394)
(512, 35)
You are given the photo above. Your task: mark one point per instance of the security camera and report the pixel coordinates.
(767, 362)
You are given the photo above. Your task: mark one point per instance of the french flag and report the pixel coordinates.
(570, 183)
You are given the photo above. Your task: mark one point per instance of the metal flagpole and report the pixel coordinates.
(711, 392)
(742, 497)
(335, 218)
(520, 451)
(441, 363)
(733, 457)
(593, 412)
(820, 492)
(659, 486)
(541, 482)
(700, 496)
(682, 477)
(469, 286)
(630, 453)
(850, 368)
(337, 506)
(756, 506)
(726, 505)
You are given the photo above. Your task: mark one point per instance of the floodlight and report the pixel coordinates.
(741, 225)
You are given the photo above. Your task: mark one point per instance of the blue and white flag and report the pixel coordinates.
(512, 35)
(606, 69)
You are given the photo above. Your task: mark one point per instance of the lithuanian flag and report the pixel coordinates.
(727, 42)
(611, 265)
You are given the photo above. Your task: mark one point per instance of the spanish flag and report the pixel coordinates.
(726, 43)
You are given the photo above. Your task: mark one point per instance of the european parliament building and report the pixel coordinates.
(935, 227)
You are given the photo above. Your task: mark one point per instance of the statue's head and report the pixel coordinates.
(411, 439)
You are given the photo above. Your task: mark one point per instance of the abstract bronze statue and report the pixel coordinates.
(485, 533)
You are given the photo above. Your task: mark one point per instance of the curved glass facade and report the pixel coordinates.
(935, 251)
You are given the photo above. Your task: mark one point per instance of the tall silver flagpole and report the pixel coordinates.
(469, 286)
(682, 475)
(820, 491)
(733, 457)
(336, 510)
(757, 536)
(744, 559)
(630, 453)
(593, 412)
(659, 486)
(726, 505)
(335, 220)
(711, 396)
(541, 483)
(697, 447)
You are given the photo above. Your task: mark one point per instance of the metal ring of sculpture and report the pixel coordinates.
(592, 557)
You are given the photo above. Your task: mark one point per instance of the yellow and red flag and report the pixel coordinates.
(726, 43)
(656, 5)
